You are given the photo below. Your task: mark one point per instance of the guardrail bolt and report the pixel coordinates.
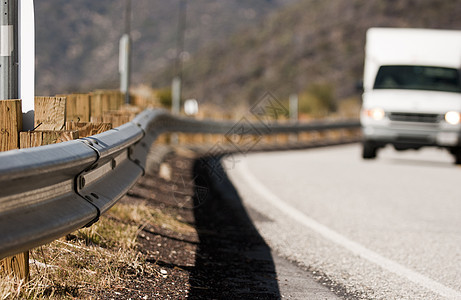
(81, 182)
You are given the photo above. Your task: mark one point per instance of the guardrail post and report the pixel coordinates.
(50, 113)
(18, 265)
(77, 107)
(10, 110)
(10, 124)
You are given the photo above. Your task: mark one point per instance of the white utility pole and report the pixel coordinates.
(125, 55)
(27, 54)
(176, 84)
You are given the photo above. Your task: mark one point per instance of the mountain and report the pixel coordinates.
(77, 42)
(310, 45)
(235, 51)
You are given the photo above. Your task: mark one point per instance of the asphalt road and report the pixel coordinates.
(389, 228)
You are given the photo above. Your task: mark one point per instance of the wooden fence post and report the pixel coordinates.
(50, 113)
(10, 126)
(77, 107)
(38, 138)
(18, 265)
(86, 129)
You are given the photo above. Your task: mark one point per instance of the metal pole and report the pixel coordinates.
(176, 85)
(294, 114)
(127, 16)
(176, 95)
(294, 107)
(9, 50)
(125, 55)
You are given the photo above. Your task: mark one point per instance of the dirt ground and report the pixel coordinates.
(168, 251)
(215, 252)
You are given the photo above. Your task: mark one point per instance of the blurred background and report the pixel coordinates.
(232, 52)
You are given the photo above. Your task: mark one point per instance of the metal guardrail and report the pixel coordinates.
(49, 191)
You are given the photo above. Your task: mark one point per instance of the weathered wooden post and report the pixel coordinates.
(18, 265)
(10, 124)
(17, 73)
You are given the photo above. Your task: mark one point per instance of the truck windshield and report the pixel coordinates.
(418, 78)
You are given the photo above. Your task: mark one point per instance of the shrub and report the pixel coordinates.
(164, 96)
(317, 100)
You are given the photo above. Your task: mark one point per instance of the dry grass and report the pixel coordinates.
(144, 215)
(91, 259)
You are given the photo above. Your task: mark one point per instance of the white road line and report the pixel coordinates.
(343, 241)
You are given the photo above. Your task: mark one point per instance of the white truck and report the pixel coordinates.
(411, 90)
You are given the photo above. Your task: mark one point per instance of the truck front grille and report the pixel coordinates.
(414, 117)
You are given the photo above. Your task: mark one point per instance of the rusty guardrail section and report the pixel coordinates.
(49, 191)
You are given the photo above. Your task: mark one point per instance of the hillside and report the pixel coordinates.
(308, 44)
(77, 41)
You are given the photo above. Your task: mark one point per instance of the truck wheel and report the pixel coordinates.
(369, 150)
(457, 154)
